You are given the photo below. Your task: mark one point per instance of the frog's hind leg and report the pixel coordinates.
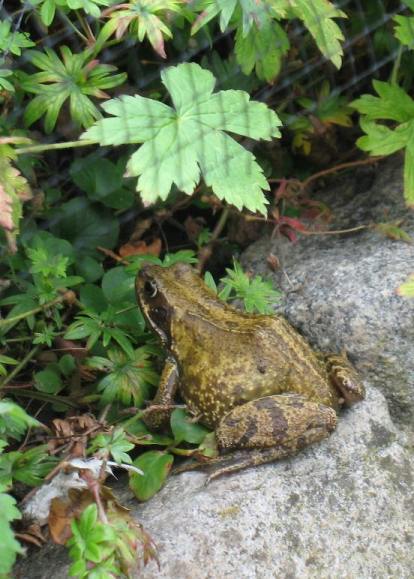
(268, 429)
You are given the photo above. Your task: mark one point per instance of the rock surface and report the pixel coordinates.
(343, 508)
(340, 290)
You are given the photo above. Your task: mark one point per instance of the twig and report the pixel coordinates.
(206, 251)
(340, 167)
(113, 255)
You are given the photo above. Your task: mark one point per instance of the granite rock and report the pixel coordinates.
(340, 290)
(343, 508)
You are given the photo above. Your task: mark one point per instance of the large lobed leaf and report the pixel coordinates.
(181, 144)
(392, 104)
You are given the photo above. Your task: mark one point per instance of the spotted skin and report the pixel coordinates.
(251, 378)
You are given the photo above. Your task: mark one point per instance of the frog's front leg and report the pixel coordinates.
(159, 417)
(268, 429)
(345, 378)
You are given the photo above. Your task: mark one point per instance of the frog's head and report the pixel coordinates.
(164, 293)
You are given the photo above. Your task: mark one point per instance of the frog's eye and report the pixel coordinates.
(150, 289)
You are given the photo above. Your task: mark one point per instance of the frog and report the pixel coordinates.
(251, 378)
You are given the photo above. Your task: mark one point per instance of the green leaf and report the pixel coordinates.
(145, 18)
(29, 467)
(76, 77)
(262, 49)
(67, 364)
(47, 12)
(14, 421)
(245, 13)
(85, 226)
(89, 268)
(394, 104)
(181, 143)
(115, 444)
(93, 298)
(318, 17)
(155, 465)
(13, 41)
(118, 286)
(102, 180)
(404, 30)
(184, 429)
(48, 381)
(129, 378)
(9, 547)
(257, 294)
(406, 290)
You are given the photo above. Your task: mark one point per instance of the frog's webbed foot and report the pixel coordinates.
(265, 430)
(345, 378)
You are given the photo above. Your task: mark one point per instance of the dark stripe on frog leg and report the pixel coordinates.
(253, 457)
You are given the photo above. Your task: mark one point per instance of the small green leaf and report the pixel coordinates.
(67, 365)
(48, 381)
(11, 40)
(14, 420)
(184, 429)
(262, 49)
(406, 290)
(85, 226)
(155, 465)
(318, 17)
(118, 286)
(93, 298)
(115, 444)
(102, 180)
(9, 547)
(73, 77)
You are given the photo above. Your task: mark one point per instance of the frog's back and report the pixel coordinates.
(229, 361)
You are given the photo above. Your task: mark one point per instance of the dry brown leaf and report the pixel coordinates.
(141, 248)
(62, 512)
(6, 209)
(72, 434)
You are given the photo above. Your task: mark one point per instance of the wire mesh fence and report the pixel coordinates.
(369, 51)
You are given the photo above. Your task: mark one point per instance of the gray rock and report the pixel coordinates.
(343, 508)
(340, 290)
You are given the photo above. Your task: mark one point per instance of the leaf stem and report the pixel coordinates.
(85, 25)
(43, 396)
(31, 354)
(22, 316)
(53, 146)
(71, 25)
(396, 67)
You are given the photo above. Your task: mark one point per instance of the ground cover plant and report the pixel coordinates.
(161, 130)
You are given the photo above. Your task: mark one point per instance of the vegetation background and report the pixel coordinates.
(162, 130)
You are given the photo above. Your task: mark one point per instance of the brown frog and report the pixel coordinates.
(251, 378)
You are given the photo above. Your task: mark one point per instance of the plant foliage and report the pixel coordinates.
(183, 142)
